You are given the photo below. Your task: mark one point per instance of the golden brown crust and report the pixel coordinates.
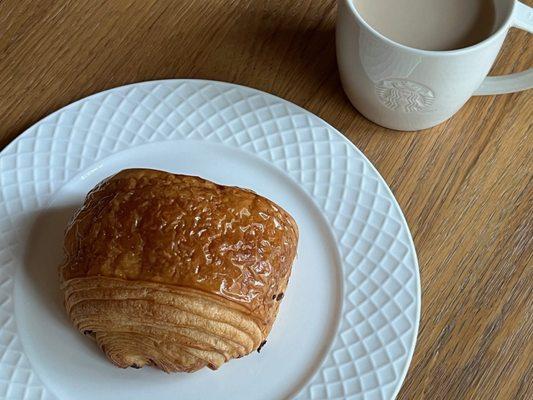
(174, 270)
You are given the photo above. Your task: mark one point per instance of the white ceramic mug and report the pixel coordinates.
(403, 88)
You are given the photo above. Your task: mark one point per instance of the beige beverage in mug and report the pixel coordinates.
(431, 24)
(412, 64)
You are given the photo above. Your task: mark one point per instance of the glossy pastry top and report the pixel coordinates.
(182, 230)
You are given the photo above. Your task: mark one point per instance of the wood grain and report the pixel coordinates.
(465, 186)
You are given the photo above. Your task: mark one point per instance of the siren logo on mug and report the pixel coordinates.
(404, 95)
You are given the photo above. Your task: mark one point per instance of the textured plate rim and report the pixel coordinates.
(369, 164)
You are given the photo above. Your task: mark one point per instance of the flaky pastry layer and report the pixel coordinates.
(172, 328)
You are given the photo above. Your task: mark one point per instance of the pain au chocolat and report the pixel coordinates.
(175, 271)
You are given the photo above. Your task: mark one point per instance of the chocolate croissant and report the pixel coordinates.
(175, 271)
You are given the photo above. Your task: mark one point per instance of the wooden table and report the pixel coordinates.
(466, 186)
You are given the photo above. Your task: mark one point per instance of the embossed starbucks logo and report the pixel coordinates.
(404, 95)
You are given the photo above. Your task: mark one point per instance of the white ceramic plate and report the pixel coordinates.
(348, 324)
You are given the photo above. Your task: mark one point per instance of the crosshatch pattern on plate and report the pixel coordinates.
(379, 321)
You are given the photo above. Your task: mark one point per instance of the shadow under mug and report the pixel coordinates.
(408, 89)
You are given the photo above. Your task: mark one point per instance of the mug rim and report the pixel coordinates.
(485, 42)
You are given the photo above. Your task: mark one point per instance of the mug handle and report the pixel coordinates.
(523, 19)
